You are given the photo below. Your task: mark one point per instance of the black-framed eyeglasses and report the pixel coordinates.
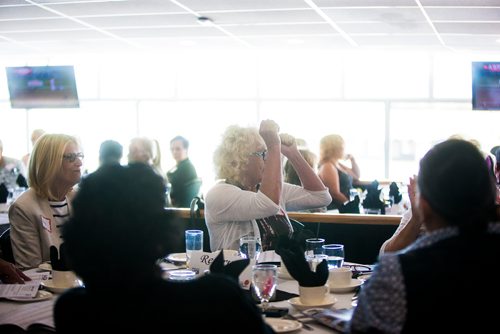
(262, 154)
(359, 269)
(71, 157)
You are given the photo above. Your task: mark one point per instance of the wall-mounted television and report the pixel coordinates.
(486, 85)
(42, 87)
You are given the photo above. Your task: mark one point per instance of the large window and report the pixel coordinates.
(389, 107)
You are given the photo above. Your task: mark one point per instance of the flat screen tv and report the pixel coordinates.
(42, 87)
(486, 85)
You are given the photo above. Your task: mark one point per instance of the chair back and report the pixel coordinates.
(6, 246)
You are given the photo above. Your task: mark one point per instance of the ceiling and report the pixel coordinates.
(71, 26)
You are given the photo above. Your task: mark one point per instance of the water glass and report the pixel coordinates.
(264, 281)
(314, 247)
(194, 242)
(250, 247)
(335, 254)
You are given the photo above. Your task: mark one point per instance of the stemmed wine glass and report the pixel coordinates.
(264, 281)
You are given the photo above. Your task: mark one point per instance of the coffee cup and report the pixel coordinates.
(313, 295)
(64, 279)
(339, 276)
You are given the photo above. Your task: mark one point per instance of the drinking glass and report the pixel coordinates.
(250, 247)
(335, 254)
(194, 242)
(264, 281)
(314, 247)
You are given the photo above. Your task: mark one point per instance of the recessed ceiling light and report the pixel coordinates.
(205, 21)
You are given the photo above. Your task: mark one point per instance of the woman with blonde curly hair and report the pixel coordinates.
(251, 197)
(55, 167)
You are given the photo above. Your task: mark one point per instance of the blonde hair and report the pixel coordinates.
(234, 151)
(149, 152)
(329, 147)
(46, 162)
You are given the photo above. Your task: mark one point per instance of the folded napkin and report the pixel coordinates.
(372, 199)
(292, 255)
(232, 269)
(58, 258)
(394, 193)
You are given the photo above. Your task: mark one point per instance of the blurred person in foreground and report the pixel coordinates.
(117, 233)
(448, 262)
(251, 198)
(37, 215)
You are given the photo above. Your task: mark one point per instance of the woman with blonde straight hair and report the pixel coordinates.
(147, 151)
(55, 167)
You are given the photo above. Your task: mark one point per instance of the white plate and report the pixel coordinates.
(283, 325)
(177, 257)
(346, 288)
(45, 266)
(49, 285)
(328, 302)
(40, 295)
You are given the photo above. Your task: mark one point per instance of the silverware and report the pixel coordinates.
(292, 317)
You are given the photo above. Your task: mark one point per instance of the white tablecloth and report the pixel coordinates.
(24, 314)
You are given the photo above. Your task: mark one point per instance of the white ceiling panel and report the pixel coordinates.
(364, 3)
(389, 15)
(116, 7)
(465, 14)
(168, 32)
(238, 5)
(387, 28)
(285, 16)
(469, 28)
(142, 21)
(57, 23)
(280, 29)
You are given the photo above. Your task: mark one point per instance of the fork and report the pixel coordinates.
(292, 317)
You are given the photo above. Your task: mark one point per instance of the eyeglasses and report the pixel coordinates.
(262, 154)
(71, 157)
(359, 269)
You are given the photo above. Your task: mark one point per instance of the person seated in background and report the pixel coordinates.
(461, 242)
(183, 179)
(410, 227)
(251, 198)
(146, 151)
(37, 214)
(9, 274)
(116, 234)
(337, 176)
(110, 152)
(290, 175)
(12, 175)
(35, 134)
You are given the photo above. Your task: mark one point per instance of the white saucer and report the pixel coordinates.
(177, 257)
(45, 266)
(364, 277)
(283, 325)
(327, 303)
(49, 285)
(346, 288)
(40, 295)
